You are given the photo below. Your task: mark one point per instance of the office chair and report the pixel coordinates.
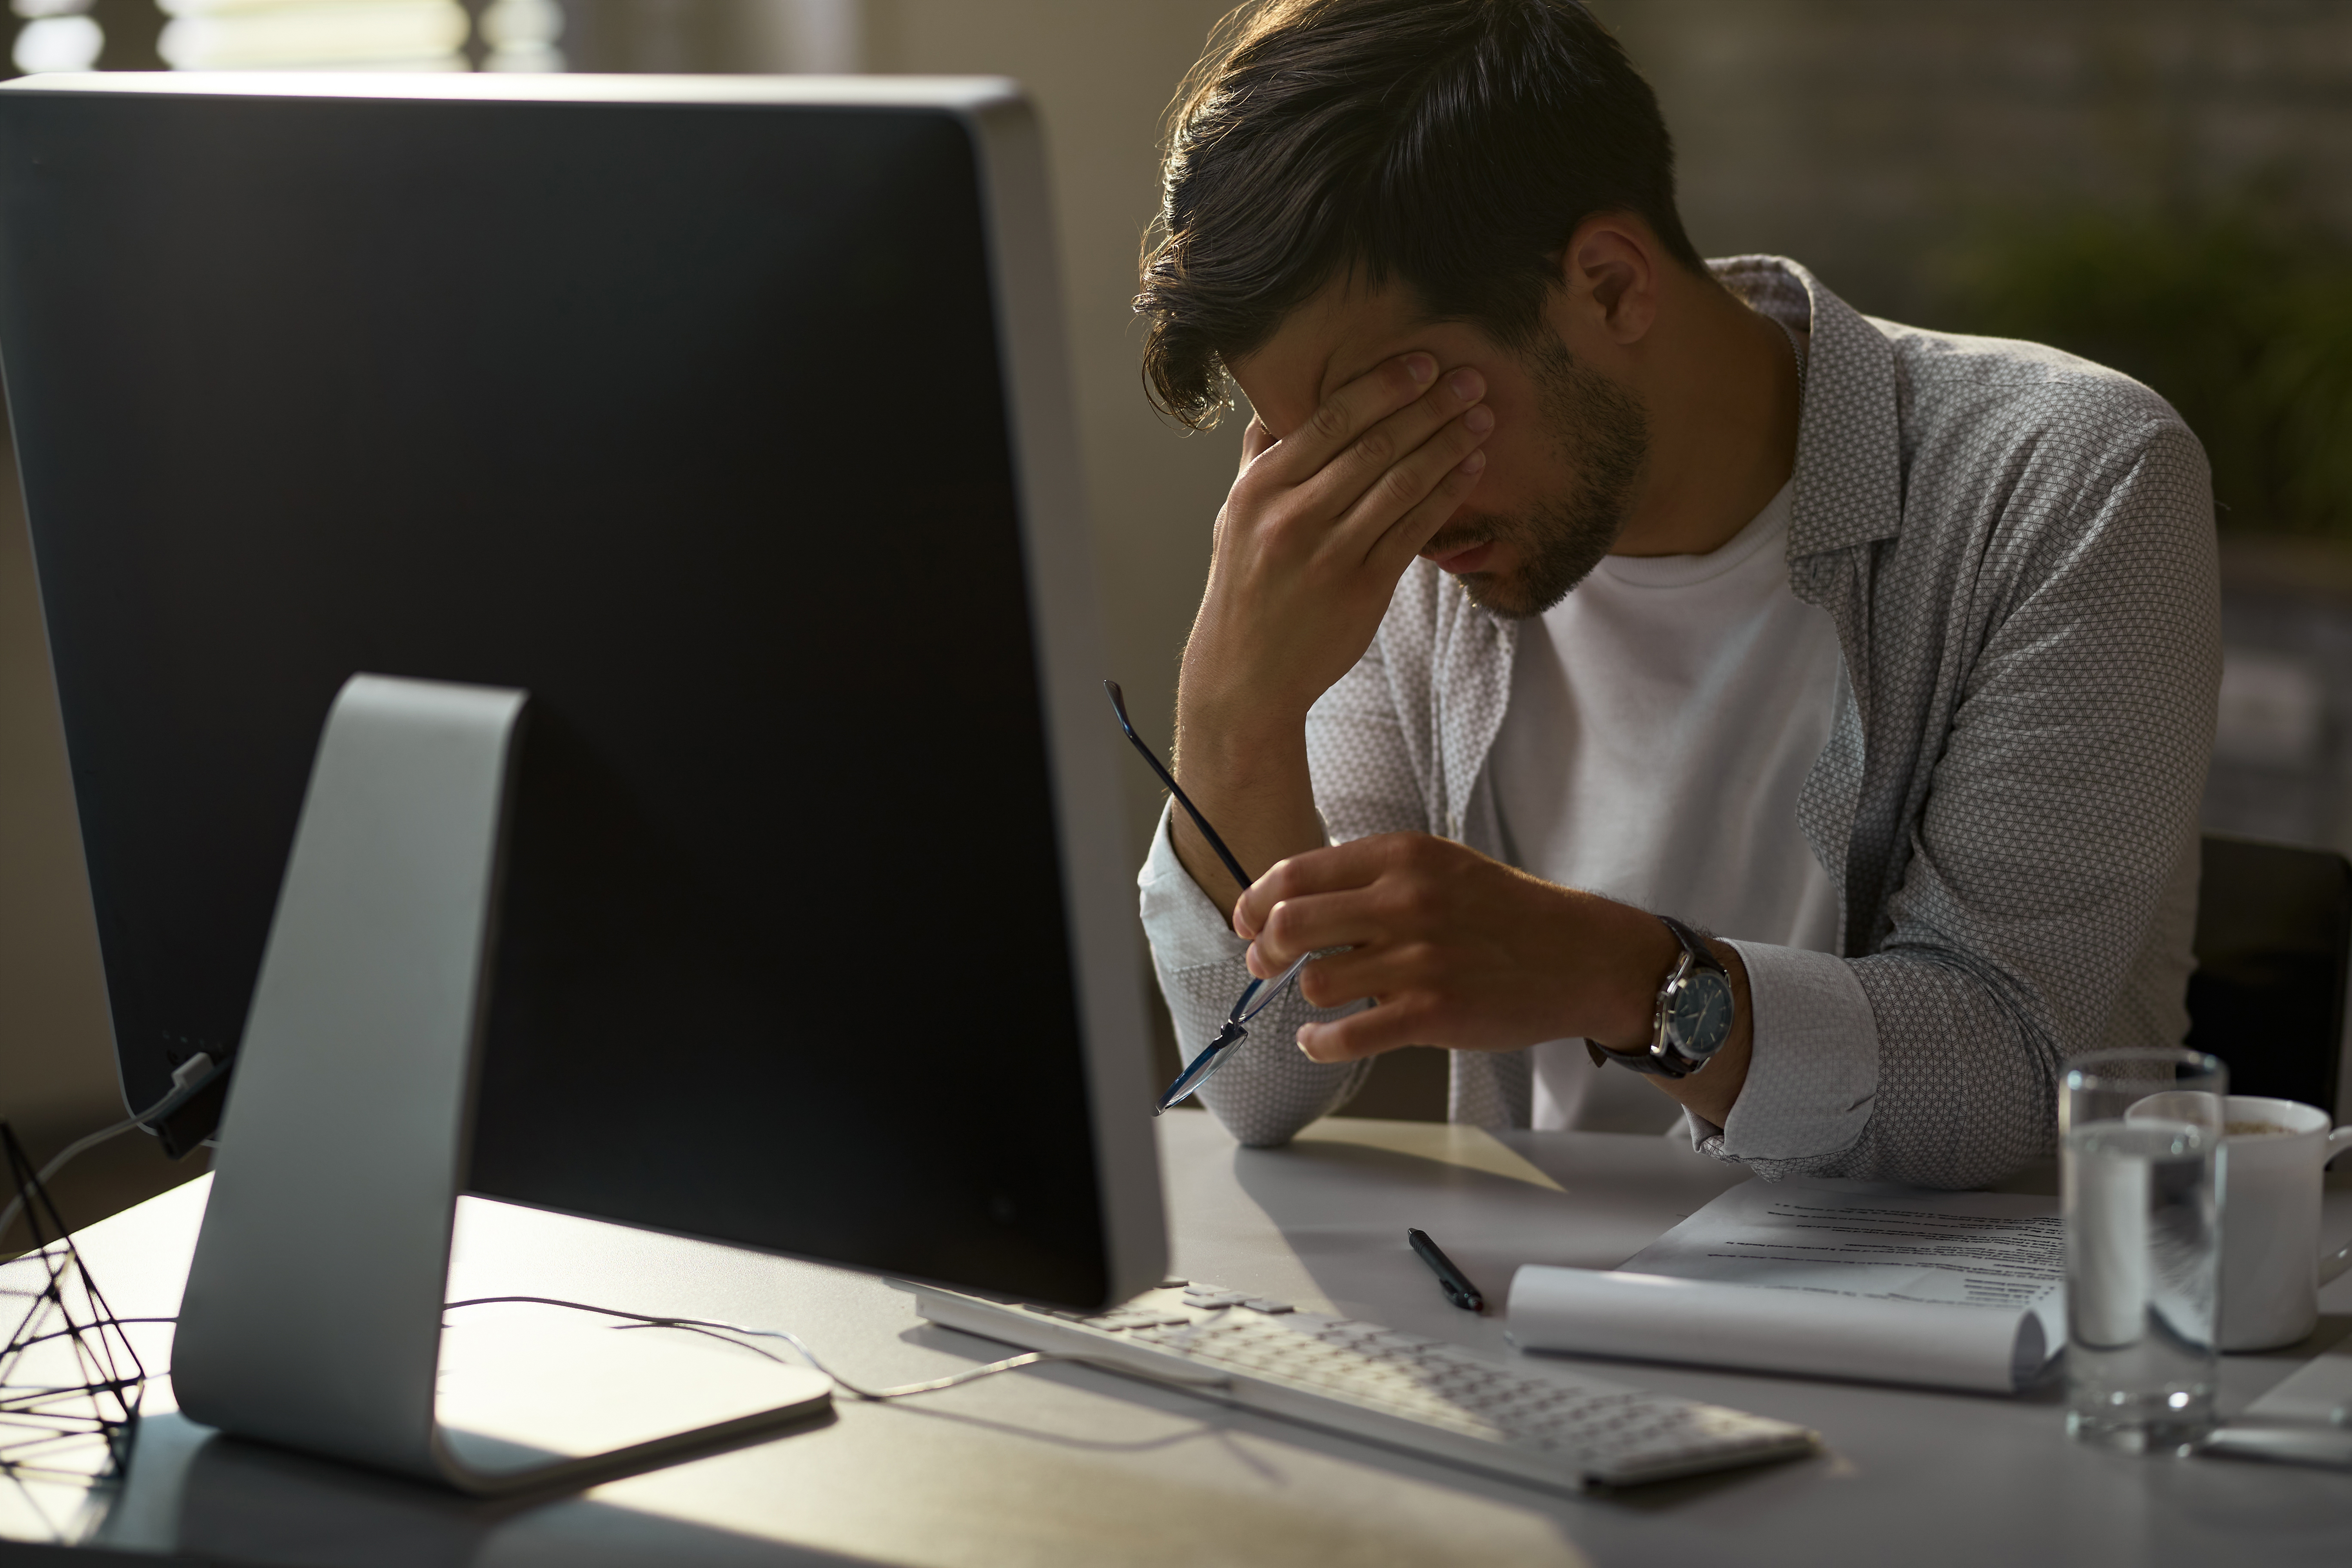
(2274, 945)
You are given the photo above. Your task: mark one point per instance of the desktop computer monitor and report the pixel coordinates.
(730, 419)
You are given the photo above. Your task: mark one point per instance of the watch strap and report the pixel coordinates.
(1701, 955)
(1640, 1062)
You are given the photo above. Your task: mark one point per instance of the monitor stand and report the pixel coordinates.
(313, 1314)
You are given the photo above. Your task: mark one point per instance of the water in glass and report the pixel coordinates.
(2143, 1268)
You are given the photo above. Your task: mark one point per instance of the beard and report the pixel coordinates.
(1601, 433)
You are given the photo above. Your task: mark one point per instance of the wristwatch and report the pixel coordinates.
(1695, 1012)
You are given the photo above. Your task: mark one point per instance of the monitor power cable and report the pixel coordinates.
(189, 1078)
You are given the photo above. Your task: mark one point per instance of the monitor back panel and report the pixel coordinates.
(689, 419)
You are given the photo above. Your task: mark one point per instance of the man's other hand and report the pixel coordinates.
(1464, 952)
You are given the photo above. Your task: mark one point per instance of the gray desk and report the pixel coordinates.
(1068, 1465)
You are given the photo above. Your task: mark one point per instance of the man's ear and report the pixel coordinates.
(1609, 270)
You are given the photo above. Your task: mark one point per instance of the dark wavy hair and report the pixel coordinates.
(1452, 145)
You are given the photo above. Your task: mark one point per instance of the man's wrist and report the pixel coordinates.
(1254, 784)
(1223, 735)
(1651, 954)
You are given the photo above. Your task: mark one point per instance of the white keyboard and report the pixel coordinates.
(1367, 1382)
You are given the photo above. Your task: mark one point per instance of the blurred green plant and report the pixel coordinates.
(2242, 320)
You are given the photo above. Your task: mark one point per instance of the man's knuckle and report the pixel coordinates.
(1329, 423)
(1402, 487)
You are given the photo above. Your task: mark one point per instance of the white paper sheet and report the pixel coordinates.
(1827, 1279)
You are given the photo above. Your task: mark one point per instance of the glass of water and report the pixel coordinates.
(2140, 1135)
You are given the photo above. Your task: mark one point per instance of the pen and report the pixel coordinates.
(1452, 1281)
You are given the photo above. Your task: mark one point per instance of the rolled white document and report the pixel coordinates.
(1817, 1333)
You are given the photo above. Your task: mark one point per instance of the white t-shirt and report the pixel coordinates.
(1662, 719)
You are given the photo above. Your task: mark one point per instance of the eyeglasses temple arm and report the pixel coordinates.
(1119, 706)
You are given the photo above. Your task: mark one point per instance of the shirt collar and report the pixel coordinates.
(1849, 479)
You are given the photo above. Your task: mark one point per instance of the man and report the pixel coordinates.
(1570, 582)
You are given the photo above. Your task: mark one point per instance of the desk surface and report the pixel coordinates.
(1068, 1465)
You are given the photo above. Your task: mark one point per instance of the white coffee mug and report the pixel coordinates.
(2271, 1265)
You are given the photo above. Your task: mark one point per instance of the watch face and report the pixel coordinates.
(1700, 1018)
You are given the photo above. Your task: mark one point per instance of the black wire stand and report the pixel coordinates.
(70, 1381)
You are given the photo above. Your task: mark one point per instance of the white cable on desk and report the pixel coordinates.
(719, 1330)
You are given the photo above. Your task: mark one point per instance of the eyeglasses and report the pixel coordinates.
(1258, 994)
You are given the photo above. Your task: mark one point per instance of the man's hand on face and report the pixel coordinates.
(1317, 530)
(1315, 534)
(1464, 952)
